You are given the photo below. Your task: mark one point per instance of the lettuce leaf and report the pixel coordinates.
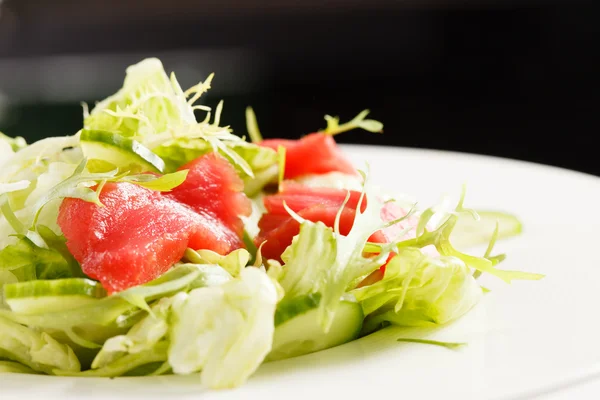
(440, 235)
(163, 183)
(322, 260)
(224, 331)
(233, 262)
(15, 144)
(308, 259)
(36, 350)
(31, 161)
(146, 362)
(6, 150)
(419, 290)
(13, 367)
(6, 277)
(28, 261)
(180, 151)
(145, 338)
(358, 122)
(148, 103)
(142, 336)
(153, 109)
(92, 324)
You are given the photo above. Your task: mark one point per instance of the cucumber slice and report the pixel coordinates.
(33, 297)
(303, 334)
(108, 147)
(291, 308)
(469, 232)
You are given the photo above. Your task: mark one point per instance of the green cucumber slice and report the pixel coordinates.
(33, 297)
(469, 232)
(290, 308)
(108, 147)
(303, 334)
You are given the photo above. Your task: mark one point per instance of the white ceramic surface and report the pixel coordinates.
(525, 339)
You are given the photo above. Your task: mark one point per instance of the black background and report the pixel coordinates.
(516, 79)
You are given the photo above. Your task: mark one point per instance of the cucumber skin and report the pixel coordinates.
(139, 152)
(290, 308)
(306, 336)
(49, 288)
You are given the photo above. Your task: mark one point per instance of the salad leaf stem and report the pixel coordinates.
(334, 127)
(252, 126)
(448, 345)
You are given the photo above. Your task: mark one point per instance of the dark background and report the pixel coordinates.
(510, 78)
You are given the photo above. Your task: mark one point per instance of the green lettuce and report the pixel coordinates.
(142, 348)
(321, 260)
(6, 277)
(13, 367)
(358, 122)
(6, 150)
(233, 262)
(419, 290)
(28, 261)
(224, 331)
(154, 110)
(36, 350)
(92, 324)
(148, 103)
(440, 238)
(249, 159)
(15, 144)
(31, 161)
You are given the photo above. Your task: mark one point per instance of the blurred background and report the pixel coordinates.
(509, 78)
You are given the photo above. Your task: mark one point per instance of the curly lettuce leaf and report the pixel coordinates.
(148, 103)
(419, 290)
(322, 260)
(34, 349)
(440, 235)
(306, 260)
(358, 122)
(224, 331)
(153, 109)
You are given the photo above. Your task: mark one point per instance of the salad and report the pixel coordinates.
(154, 242)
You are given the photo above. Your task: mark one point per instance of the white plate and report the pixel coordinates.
(524, 339)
